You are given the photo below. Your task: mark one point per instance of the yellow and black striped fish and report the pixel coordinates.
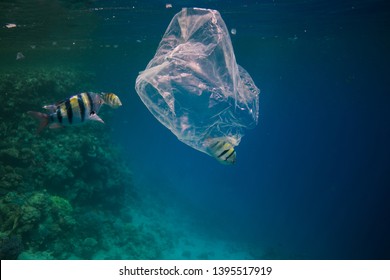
(111, 99)
(221, 149)
(74, 110)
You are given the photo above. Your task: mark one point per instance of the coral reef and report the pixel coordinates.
(65, 193)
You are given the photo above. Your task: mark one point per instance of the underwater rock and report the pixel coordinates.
(88, 247)
(62, 211)
(60, 205)
(29, 219)
(39, 200)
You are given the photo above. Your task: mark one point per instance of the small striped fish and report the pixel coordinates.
(221, 149)
(111, 99)
(74, 110)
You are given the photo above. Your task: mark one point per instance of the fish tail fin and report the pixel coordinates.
(41, 117)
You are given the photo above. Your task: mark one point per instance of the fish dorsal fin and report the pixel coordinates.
(95, 117)
(59, 102)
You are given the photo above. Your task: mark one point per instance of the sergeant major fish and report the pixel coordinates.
(111, 99)
(74, 110)
(221, 149)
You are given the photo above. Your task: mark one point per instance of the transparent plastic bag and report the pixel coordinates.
(193, 84)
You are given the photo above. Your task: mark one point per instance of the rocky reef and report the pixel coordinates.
(64, 193)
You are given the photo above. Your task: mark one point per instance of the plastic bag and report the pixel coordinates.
(194, 86)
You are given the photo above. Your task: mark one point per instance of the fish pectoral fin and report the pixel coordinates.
(95, 117)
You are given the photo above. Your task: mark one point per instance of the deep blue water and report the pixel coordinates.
(312, 179)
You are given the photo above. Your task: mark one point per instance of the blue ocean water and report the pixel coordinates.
(311, 180)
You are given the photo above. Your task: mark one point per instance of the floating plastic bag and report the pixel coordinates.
(194, 86)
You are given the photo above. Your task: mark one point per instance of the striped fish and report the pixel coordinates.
(111, 99)
(221, 149)
(74, 110)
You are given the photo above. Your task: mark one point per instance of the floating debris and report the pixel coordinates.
(233, 31)
(19, 56)
(10, 25)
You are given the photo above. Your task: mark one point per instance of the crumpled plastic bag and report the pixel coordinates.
(193, 84)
